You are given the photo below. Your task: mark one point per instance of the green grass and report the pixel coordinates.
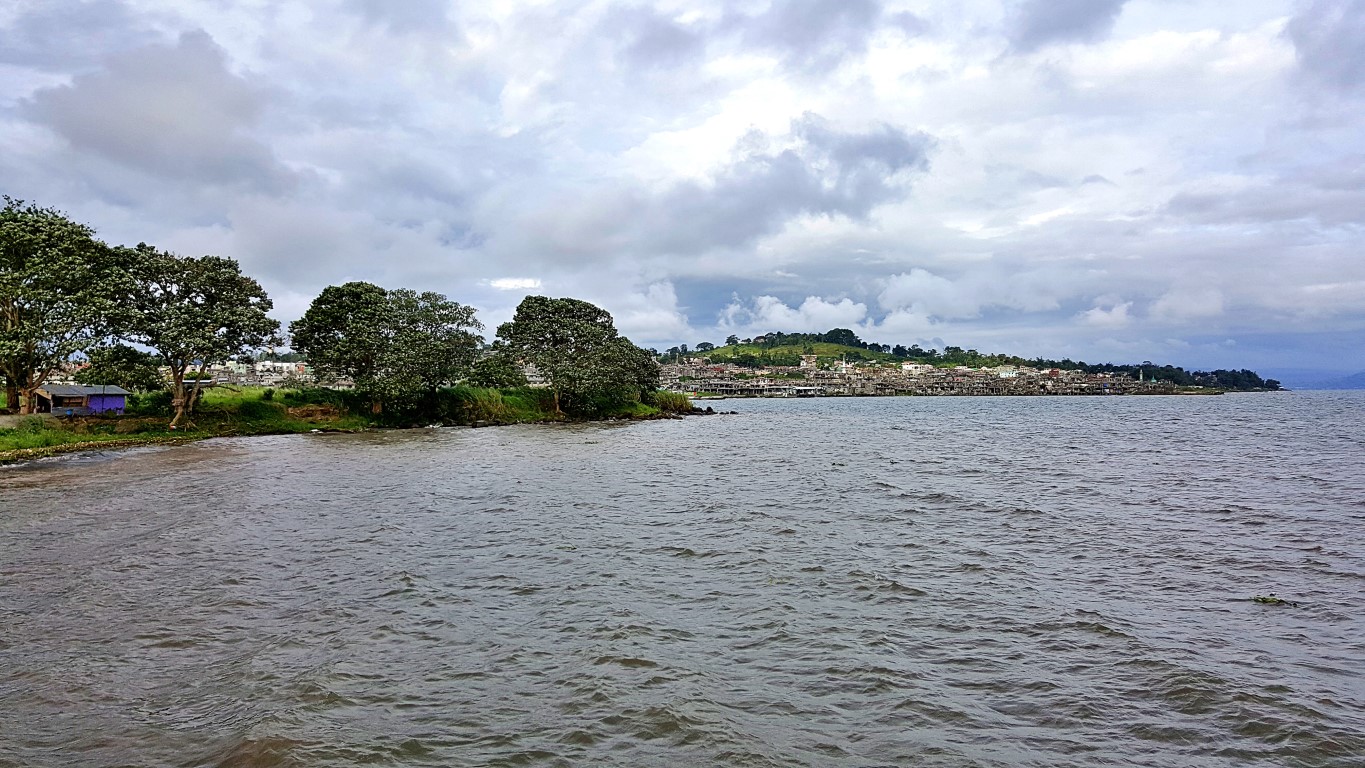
(671, 402)
(229, 410)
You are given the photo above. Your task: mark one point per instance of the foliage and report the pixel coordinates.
(498, 369)
(395, 346)
(149, 404)
(124, 366)
(590, 369)
(669, 402)
(195, 311)
(342, 333)
(59, 292)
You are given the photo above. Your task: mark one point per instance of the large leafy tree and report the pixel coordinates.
(497, 369)
(393, 345)
(575, 347)
(123, 365)
(59, 291)
(193, 313)
(344, 334)
(431, 343)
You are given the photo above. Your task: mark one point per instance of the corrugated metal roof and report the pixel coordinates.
(77, 390)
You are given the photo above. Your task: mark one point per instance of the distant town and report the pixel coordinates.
(814, 378)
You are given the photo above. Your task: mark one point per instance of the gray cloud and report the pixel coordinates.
(814, 170)
(406, 16)
(1329, 36)
(813, 35)
(651, 40)
(173, 111)
(1038, 23)
(59, 34)
(664, 160)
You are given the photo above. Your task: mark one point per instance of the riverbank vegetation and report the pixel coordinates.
(154, 322)
(245, 411)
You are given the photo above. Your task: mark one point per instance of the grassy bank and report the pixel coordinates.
(236, 411)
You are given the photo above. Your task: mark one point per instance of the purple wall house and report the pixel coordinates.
(78, 400)
(107, 403)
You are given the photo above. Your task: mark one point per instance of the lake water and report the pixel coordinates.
(835, 582)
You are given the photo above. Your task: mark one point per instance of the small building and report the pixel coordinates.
(78, 400)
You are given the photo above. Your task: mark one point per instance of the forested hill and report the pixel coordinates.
(777, 348)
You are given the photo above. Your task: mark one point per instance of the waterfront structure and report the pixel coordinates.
(79, 400)
(847, 379)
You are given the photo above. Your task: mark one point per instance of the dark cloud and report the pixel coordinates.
(60, 34)
(812, 35)
(169, 110)
(1038, 23)
(651, 40)
(1329, 36)
(827, 172)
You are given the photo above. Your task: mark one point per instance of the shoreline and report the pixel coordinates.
(22, 455)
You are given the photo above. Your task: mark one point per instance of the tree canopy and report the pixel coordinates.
(194, 312)
(124, 366)
(574, 345)
(59, 291)
(393, 345)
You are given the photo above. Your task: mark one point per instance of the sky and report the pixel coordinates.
(1179, 181)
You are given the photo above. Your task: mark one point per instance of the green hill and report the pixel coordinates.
(790, 354)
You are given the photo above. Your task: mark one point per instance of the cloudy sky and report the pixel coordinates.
(1173, 180)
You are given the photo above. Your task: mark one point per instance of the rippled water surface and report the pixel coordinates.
(861, 582)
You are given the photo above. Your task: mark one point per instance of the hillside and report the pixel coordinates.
(785, 349)
(1354, 381)
(825, 351)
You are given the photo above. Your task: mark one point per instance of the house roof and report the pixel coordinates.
(76, 390)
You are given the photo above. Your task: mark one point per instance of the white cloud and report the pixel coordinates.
(515, 283)
(1187, 304)
(1116, 316)
(768, 313)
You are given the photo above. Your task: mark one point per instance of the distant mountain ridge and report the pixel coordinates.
(1354, 381)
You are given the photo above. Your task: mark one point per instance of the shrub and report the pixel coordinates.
(149, 404)
(32, 425)
(268, 394)
(669, 402)
(259, 409)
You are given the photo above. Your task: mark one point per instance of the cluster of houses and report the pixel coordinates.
(815, 379)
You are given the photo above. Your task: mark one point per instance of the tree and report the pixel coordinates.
(497, 370)
(430, 343)
(195, 312)
(59, 290)
(575, 346)
(393, 345)
(342, 333)
(705, 346)
(731, 340)
(123, 366)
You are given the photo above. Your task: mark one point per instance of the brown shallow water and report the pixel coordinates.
(899, 582)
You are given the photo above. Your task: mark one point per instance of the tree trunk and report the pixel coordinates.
(11, 397)
(26, 400)
(177, 396)
(194, 394)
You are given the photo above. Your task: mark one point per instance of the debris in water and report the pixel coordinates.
(1271, 599)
